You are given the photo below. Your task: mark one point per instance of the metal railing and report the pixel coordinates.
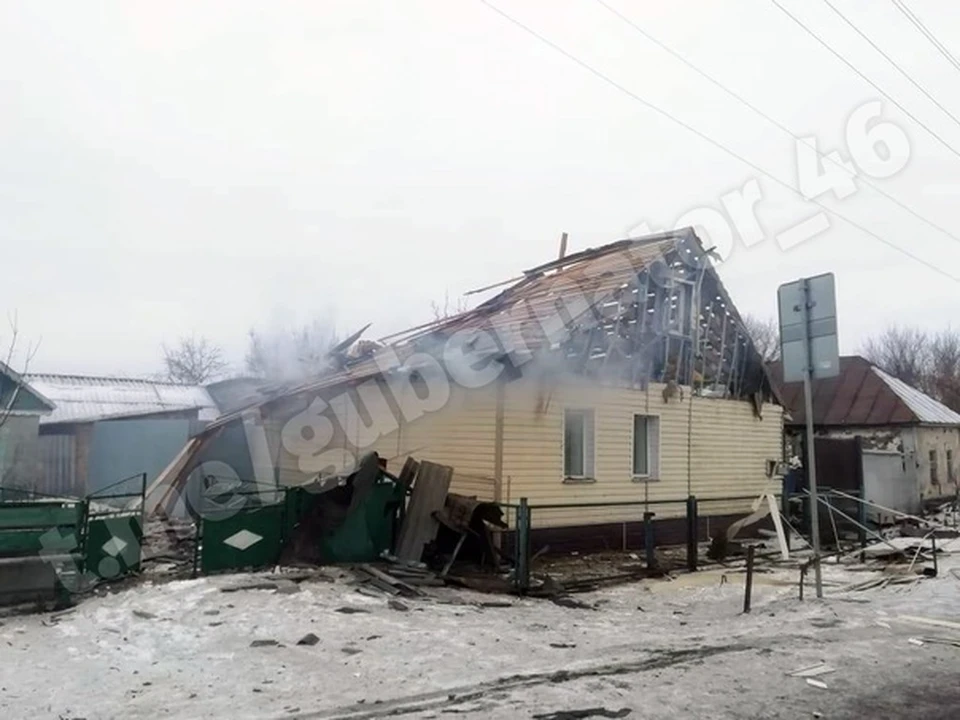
(688, 510)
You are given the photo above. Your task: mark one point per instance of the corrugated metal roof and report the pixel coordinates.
(923, 406)
(81, 398)
(863, 395)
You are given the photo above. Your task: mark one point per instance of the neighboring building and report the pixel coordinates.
(616, 374)
(21, 407)
(105, 429)
(911, 440)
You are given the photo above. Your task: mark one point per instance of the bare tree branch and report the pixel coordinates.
(446, 311)
(292, 353)
(904, 352)
(7, 407)
(193, 361)
(765, 334)
(930, 362)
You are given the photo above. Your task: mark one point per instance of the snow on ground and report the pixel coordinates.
(677, 649)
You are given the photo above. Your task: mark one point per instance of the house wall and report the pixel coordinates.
(19, 459)
(915, 442)
(712, 448)
(939, 439)
(709, 447)
(81, 458)
(459, 432)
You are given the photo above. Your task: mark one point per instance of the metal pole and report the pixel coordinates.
(648, 541)
(748, 590)
(523, 547)
(692, 533)
(811, 447)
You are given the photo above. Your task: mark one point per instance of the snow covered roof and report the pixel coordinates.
(82, 398)
(922, 405)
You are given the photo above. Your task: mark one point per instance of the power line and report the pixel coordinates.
(768, 118)
(926, 32)
(876, 87)
(660, 111)
(889, 59)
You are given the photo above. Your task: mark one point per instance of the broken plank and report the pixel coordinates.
(428, 497)
(383, 577)
(936, 622)
(781, 537)
(814, 671)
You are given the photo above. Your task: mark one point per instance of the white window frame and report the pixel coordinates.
(653, 447)
(589, 441)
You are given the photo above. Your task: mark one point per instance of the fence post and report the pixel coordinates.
(692, 533)
(648, 541)
(748, 588)
(523, 547)
(862, 519)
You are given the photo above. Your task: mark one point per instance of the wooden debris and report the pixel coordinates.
(813, 671)
(379, 577)
(936, 622)
(955, 641)
(429, 496)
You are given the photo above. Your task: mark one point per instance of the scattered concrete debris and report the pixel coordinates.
(308, 639)
(397, 605)
(816, 683)
(347, 610)
(264, 643)
(144, 614)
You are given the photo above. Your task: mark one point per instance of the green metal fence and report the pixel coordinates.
(113, 542)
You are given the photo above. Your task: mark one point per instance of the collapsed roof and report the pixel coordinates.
(650, 309)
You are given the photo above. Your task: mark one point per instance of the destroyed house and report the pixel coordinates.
(617, 374)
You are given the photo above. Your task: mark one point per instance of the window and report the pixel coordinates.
(934, 470)
(951, 469)
(646, 441)
(578, 442)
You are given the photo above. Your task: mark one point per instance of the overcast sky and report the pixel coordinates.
(181, 168)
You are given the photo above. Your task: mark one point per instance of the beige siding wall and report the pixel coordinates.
(459, 432)
(712, 448)
(726, 454)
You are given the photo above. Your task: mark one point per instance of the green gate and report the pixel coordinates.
(114, 533)
(249, 537)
